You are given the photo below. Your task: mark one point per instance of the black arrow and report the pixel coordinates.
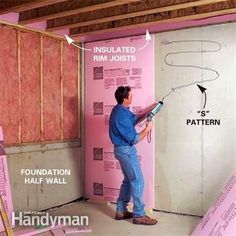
(203, 90)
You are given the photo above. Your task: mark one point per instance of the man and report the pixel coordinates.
(124, 137)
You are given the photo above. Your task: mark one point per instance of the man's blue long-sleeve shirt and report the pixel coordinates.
(122, 126)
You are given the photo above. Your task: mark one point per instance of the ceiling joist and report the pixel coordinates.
(32, 17)
(27, 5)
(133, 14)
(84, 17)
(146, 24)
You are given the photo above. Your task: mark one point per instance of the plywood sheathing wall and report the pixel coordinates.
(39, 86)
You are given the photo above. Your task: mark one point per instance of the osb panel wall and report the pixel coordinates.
(39, 87)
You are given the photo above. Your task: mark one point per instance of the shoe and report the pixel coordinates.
(144, 220)
(122, 216)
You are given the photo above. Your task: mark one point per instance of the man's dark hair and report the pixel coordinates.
(122, 93)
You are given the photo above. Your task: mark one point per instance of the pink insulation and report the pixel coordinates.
(51, 89)
(30, 87)
(34, 81)
(70, 92)
(9, 85)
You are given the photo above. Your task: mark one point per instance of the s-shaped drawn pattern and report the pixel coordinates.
(218, 48)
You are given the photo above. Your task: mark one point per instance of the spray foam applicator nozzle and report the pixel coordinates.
(154, 111)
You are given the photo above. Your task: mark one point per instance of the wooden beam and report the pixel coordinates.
(29, 5)
(135, 14)
(77, 11)
(62, 92)
(27, 29)
(41, 90)
(79, 93)
(19, 77)
(147, 24)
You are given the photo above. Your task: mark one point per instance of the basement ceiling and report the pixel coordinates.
(85, 17)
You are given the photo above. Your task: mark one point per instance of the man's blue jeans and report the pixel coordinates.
(133, 183)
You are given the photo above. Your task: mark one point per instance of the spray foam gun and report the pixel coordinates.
(151, 114)
(154, 111)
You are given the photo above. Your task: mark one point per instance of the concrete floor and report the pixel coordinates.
(101, 220)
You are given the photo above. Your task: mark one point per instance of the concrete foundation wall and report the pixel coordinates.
(49, 156)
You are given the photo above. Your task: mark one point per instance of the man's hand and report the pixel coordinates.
(149, 125)
(144, 132)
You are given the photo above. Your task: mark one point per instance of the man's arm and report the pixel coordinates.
(144, 114)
